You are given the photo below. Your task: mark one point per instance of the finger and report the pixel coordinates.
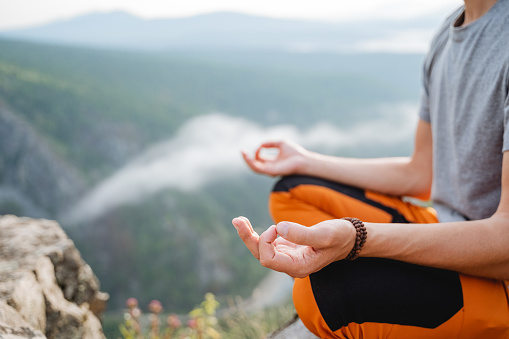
(244, 227)
(280, 241)
(266, 245)
(315, 236)
(259, 166)
(251, 162)
(272, 144)
(257, 156)
(248, 224)
(270, 257)
(246, 156)
(247, 234)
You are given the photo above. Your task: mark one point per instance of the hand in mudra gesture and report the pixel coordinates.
(299, 250)
(289, 160)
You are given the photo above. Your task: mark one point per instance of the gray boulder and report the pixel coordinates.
(46, 289)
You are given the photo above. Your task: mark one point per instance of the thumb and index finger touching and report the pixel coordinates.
(264, 248)
(265, 145)
(255, 163)
(290, 231)
(311, 236)
(291, 262)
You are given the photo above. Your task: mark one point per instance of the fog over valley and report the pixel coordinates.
(207, 148)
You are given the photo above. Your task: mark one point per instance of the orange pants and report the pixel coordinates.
(382, 298)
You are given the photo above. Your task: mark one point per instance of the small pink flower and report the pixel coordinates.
(174, 321)
(131, 303)
(192, 323)
(155, 307)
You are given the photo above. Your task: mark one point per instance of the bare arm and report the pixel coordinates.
(478, 248)
(396, 176)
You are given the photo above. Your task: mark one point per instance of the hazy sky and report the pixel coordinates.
(25, 13)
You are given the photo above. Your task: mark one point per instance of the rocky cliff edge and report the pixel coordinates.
(46, 289)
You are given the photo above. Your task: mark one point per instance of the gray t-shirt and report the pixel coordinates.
(466, 100)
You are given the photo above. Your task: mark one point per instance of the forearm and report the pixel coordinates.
(410, 176)
(395, 176)
(478, 248)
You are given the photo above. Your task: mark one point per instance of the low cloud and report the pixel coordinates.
(408, 41)
(208, 148)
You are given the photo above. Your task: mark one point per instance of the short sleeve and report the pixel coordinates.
(424, 106)
(424, 113)
(437, 44)
(505, 146)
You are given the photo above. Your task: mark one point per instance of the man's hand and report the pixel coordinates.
(289, 160)
(300, 250)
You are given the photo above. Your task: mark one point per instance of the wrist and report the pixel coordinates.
(343, 238)
(384, 241)
(360, 237)
(306, 161)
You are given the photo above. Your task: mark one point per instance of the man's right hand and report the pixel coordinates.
(299, 250)
(291, 159)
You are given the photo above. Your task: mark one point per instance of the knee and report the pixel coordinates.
(286, 183)
(284, 186)
(307, 309)
(302, 199)
(281, 198)
(374, 290)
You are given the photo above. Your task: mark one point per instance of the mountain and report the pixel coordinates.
(34, 180)
(78, 98)
(226, 30)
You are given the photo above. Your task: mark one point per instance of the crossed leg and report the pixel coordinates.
(382, 298)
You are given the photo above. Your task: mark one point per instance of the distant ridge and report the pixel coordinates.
(222, 30)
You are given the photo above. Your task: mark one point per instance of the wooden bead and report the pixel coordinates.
(361, 235)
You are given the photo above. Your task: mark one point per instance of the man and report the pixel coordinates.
(421, 272)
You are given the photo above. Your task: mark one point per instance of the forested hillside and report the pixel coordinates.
(90, 112)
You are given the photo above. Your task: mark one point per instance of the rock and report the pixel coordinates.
(13, 326)
(293, 329)
(46, 289)
(30, 306)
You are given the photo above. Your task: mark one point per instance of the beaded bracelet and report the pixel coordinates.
(361, 236)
